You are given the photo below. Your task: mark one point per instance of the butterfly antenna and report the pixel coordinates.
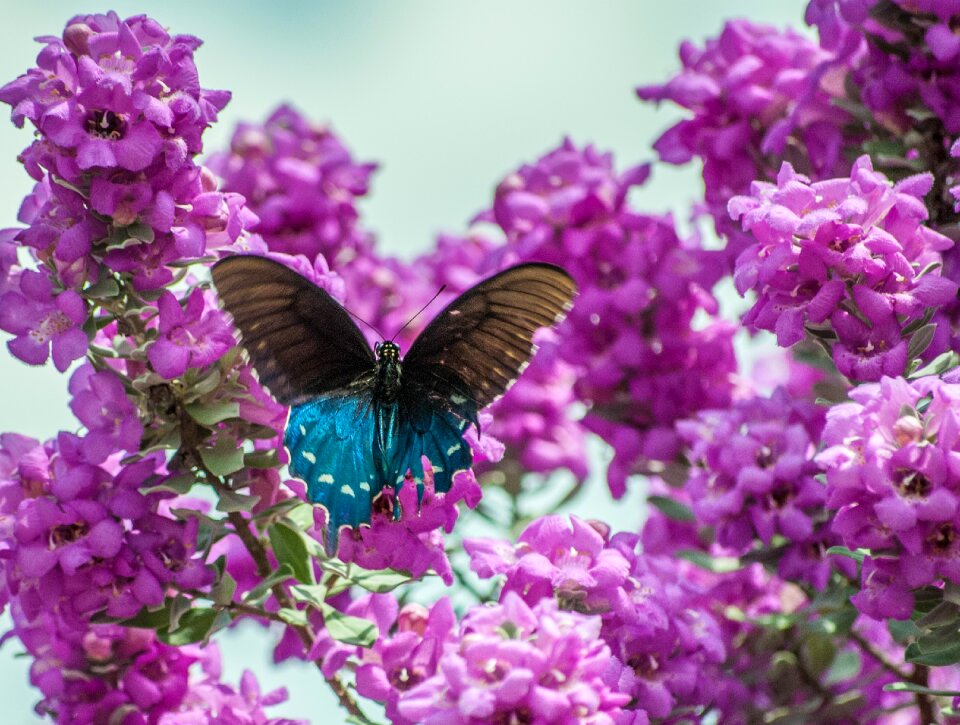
(357, 317)
(407, 323)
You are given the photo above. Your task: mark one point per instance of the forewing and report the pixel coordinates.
(481, 342)
(300, 340)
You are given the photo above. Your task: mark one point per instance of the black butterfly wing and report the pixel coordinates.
(301, 341)
(473, 351)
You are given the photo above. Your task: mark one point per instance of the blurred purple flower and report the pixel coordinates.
(753, 477)
(639, 360)
(301, 181)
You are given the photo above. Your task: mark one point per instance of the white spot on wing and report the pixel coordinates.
(325, 478)
(457, 399)
(347, 491)
(453, 449)
(303, 431)
(364, 486)
(309, 456)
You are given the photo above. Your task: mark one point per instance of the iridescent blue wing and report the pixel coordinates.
(301, 342)
(430, 431)
(331, 441)
(473, 351)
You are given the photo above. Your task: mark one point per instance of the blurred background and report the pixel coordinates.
(447, 97)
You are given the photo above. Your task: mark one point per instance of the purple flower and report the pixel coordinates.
(100, 402)
(829, 249)
(752, 92)
(664, 641)
(114, 94)
(511, 660)
(42, 320)
(119, 115)
(190, 336)
(629, 337)
(400, 661)
(890, 474)
(59, 223)
(211, 700)
(754, 477)
(901, 63)
(413, 542)
(302, 183)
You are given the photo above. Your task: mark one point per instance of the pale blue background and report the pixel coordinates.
(448, 96)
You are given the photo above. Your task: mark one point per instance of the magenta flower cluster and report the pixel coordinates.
(848, 255)
(639, 361)
(108, 672)
(902, 62)
(723, 606)
(753, 477)
(302, 183)
(504, 662)
(752, 91)
(890, 460)
(665, 643)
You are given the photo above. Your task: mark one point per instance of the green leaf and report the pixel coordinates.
(918, 323)
(845, 665)
(349, 630)
(289, 547)
(948, 655)
(104, 289)
(941, 363)
(223, 591)
(194, 626)
(213, 413)
(859, 555)
(261, 459)
(817, 652)
(941, 615)
(302, 516)
(296, 617)
(716, 564)
(911, 687)
(178, 606)
(231, 501)
(928, 269)
(149, 618)
(379, 582)
(920, 341)
(141, 231)
(178, 484)
(903, 632)
(224, 458)
(206, 384)
(671, 508)
(259, 592)
(313, 594)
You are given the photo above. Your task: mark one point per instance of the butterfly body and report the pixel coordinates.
(362, 419)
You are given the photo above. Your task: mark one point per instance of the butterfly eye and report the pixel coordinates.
(376, 348)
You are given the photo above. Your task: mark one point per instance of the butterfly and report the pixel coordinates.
(364, 419)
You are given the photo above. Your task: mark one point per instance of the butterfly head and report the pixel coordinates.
(387, 351)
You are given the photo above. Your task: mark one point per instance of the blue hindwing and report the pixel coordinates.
(436, 434)
(347, 448)
(330, 442)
